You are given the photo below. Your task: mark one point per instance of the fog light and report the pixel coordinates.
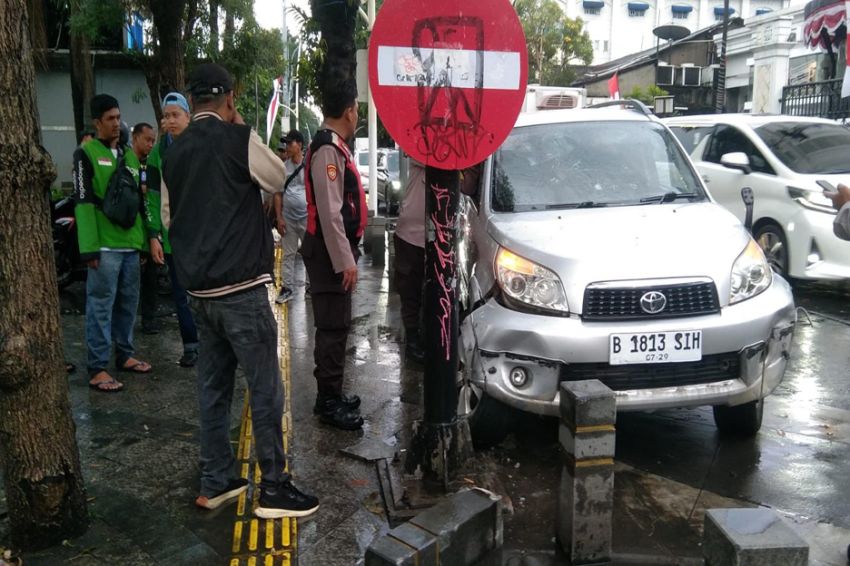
(518, 377)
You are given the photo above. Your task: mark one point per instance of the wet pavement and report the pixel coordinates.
(139, 451)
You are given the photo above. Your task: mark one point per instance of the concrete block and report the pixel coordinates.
(387, 550)
(751, 537)
(587, 403)
(467, 526)
(585, 508)
(584, 445)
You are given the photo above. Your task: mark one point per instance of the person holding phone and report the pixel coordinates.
(840, 197)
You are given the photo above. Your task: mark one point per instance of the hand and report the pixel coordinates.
(156, 251)
(93, 263)
(280, 224)
(840, 197)
(237, 118)
(349, 279)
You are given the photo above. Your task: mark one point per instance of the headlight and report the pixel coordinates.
(396, 185)
(813, 200)
(526, 282)
(751, 274)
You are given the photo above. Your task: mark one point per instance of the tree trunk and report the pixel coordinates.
(44, 487)
(165, 70)
(82, 75)
(336, 23)
(214, 36)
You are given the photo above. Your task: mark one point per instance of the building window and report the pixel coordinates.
(592, 7)
(605, 46)
(637, 9)
(681, 11)
(718, 13)
(680, 15)
(762, 11)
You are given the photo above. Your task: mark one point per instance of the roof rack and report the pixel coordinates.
(629, 103)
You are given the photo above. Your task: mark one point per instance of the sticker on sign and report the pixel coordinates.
(458, 68)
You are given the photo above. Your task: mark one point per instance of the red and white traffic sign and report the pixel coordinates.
(448, 77)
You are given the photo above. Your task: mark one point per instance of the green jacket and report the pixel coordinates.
(153, 198)
(93, 167)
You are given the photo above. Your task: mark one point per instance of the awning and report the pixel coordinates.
(762, 11)
(681, 9)
(593, 4)
(638, 6)
(823, 17)
(718, 11)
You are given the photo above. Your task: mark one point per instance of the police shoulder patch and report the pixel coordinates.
(333, 172)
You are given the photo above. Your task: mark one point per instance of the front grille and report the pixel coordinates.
(685, 299)
(716, 367)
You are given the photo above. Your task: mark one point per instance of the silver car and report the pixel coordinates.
(592, 250)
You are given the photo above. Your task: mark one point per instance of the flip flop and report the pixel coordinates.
(98, 386)
(137, 367)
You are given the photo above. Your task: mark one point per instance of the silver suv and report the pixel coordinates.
(593, 251)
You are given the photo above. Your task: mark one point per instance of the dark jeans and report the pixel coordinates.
(238, 330)
(188, 330)
(331, 315)
(409, 281)
(147, 293)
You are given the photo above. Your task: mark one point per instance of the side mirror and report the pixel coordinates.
(736, 160)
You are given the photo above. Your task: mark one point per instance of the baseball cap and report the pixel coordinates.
(210, 78)
(293, 135)
(176, 99)
(281, 144)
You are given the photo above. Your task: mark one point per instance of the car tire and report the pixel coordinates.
(490, 420)
(740, 420)
(772, 241)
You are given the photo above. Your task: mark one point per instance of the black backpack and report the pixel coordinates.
(123, 198)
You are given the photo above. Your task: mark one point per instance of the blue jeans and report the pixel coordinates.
(238, 330)
(188, 330)
(112, 297)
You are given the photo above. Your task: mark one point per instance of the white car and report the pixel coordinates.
(781, 158)
(593, 251)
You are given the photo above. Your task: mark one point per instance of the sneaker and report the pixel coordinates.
(339, 416)
(285, 295)
(285, 501)
(234, 488)
(351, 402)
(189, 359)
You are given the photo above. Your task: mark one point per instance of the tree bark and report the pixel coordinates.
(82, 75)
(44, 486)
(214, 35)
(165, 70)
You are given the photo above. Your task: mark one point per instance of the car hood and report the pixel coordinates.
(626, 243)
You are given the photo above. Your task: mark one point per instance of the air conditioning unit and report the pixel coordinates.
(665, 75)
(689, 76)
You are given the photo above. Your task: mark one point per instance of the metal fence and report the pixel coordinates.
(821, 99)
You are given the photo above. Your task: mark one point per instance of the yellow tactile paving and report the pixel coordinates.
(264, 542)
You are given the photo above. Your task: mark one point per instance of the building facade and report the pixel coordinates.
(621, 27)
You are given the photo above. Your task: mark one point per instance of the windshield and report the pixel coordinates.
(809, 148)
(585, 164)
(392, 161)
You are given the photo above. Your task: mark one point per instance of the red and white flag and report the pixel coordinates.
(845, 86)
(614, 87)
(274, 106)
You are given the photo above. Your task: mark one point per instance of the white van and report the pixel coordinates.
(781, 158)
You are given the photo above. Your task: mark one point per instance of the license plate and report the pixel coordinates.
(656, 347)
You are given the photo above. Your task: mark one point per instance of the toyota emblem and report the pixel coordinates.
(653, 302)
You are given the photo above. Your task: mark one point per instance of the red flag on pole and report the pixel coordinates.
(274, 106)
(614, 87)
(845, 86)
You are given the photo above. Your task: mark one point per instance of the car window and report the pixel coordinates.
(691, 136)
(809, 148)
(363, 158)
(588, 163)
(729, 139)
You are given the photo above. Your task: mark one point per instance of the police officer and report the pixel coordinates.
(336, 219)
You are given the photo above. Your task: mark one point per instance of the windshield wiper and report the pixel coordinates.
(835, 172)
(584, 204)
(670, 197)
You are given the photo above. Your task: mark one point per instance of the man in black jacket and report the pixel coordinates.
(223, 253)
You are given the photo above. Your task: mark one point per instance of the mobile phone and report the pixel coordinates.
(827, 187)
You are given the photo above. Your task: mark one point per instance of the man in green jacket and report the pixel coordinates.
(112, 252)
(176, 118)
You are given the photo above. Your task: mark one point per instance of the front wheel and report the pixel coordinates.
(740, 420)
(775, 246)
(490, 421)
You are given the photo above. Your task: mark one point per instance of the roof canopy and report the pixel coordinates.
(825, 23)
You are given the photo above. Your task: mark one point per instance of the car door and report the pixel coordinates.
(725, 184)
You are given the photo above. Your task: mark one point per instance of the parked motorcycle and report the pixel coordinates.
(66, 248)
